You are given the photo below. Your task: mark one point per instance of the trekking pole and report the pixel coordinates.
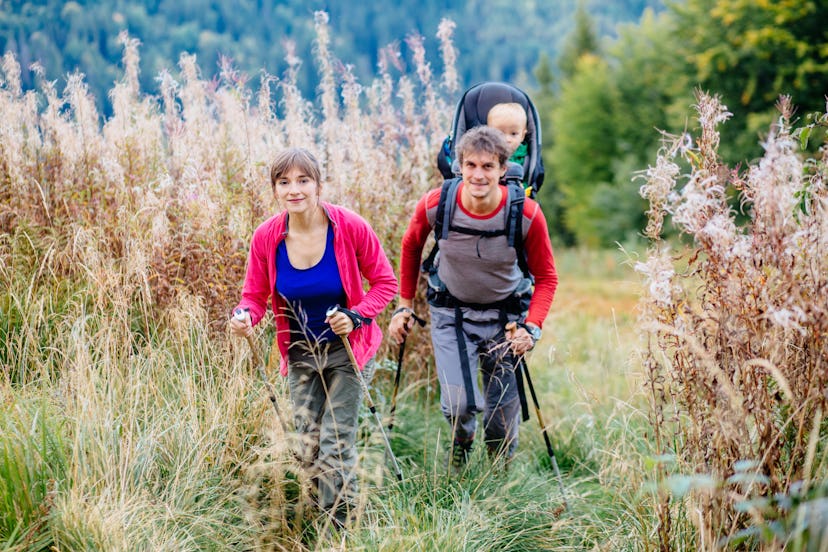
(257, 358)
(522, 365)
(421, 322)
(397, 471)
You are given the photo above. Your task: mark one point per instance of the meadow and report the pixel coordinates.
(131, 421)
(171, 444)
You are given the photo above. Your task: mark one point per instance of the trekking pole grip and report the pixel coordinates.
(419, 320)
(241, 315)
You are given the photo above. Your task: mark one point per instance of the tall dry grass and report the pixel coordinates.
(167, 190)
(735, 326)
(123, 242)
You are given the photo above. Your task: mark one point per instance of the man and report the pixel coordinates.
(478, 291)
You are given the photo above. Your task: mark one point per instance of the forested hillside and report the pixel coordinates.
(606, 109)
(496, 39)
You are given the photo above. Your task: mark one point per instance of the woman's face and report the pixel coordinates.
(296, 191)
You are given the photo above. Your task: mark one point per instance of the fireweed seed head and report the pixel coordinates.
(792, 319)
(660, 182)
(720, 232)
(776, 183)
(702, 196)
(658, 274)
(449, 53)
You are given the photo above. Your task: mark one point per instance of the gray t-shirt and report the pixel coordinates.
(478, 269)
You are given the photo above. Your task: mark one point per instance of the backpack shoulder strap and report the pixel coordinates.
(514, 221)
(514, 224)
(442, 219)
(445, 208)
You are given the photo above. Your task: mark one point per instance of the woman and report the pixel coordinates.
(309, 257)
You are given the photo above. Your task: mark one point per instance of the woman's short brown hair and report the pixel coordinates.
(299, 158)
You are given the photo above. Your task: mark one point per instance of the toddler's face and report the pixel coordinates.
(512, 126)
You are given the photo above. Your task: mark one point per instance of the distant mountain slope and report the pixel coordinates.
(495, 39)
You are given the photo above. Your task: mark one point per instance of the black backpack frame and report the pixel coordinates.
(473, 109)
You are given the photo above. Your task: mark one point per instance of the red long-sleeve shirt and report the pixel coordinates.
(469, 268)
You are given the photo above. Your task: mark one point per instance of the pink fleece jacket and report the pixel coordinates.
(358, 254)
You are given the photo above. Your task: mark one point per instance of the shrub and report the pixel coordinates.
(735, 324)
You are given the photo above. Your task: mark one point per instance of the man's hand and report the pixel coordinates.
(520, 340)
(401, 322)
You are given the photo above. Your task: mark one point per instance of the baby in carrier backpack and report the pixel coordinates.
(510, 119)
(507, 108)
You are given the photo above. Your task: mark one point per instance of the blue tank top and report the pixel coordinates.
(309, 292)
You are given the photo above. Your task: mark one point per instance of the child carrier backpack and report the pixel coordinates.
(517, 303)
(473, 109)
(513, 230)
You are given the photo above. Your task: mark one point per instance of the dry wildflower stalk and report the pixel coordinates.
(449, 52)
(736, 343)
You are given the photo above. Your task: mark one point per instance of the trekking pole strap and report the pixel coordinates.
(413, 314)
(357, 319)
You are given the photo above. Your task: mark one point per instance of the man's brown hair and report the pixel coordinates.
(483, 139)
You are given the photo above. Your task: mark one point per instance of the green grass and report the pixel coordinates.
(167, 441)
(33, 471)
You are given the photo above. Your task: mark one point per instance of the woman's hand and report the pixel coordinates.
(240, 324)
(341, 324)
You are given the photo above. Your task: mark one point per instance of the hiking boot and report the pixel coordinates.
(459, 456)
(340, 517)
(334, 521)
(500, 461)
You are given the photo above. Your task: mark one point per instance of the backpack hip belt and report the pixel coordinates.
(514, 304)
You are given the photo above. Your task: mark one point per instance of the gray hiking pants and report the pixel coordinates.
(326, 395)
(487, 351)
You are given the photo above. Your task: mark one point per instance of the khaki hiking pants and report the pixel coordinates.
(326, 396)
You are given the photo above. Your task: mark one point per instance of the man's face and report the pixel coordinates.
(481, 174)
